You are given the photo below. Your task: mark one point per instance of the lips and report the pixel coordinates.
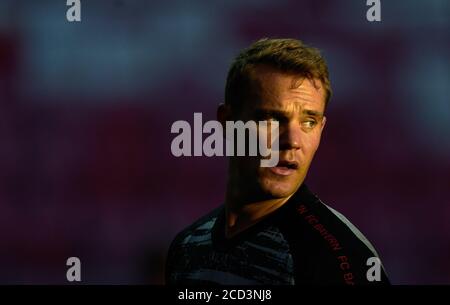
(285, 168)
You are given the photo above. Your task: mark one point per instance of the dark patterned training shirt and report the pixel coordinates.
(302, 242)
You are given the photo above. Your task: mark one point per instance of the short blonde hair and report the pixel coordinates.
(287, 55)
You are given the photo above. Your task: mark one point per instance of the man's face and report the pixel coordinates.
(298, 105)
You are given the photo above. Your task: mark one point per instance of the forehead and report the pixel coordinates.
(274, 88)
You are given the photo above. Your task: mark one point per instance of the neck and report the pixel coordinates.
(243, 211)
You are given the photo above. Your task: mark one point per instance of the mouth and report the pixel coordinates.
(285, 168)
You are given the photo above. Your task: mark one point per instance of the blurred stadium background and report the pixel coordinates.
(86, 110)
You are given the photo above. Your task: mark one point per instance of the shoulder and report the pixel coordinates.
(202, 225)
(196, 233)
(329, 241)
(327, 222)
(354, 232)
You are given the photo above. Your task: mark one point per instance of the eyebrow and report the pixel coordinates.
(313, 113)
(310, 112)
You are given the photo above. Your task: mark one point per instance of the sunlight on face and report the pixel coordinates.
(298, 105)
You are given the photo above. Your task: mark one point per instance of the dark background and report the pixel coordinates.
(86, 110)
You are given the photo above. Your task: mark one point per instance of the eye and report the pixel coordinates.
(309, 124)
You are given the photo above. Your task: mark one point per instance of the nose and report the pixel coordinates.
(290, 136)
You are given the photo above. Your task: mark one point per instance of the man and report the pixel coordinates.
(271, 228)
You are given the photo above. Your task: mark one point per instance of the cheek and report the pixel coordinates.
(311, 144)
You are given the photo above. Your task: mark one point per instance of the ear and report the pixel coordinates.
(324, 120)
(223, 114)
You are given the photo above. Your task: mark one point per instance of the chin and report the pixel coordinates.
(279, 189)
